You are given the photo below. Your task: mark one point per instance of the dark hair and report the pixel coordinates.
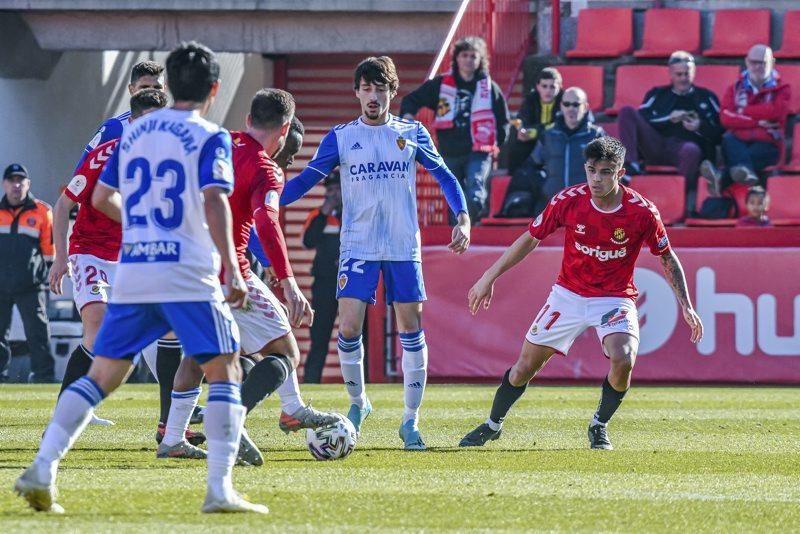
(472, 43)
(605, 148)
(146, 68)
(755, 190)
(549, 73)
(377, 70)
(192, 69)
(146, 99)
(270, 108)
(297, 127)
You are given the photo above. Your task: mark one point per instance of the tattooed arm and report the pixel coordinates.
(677, 280)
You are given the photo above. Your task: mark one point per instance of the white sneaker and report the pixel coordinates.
(232, 505)
(40, 496)
(99, 421)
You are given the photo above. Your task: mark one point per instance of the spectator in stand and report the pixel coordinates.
(26, 239)
(677, 124)
(538, 111)
(321, 232)
(757, 206)
(557, 161)
(754, 111)
(471, 118)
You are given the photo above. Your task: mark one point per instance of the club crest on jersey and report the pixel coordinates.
(580, 228)
(151, 251)
(619, 236)
(342, 281)
(401, 142)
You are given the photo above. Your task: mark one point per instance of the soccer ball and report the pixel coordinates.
(332, 442)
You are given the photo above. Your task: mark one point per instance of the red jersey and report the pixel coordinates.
(601, 247)
(93, 232)
(255, 199)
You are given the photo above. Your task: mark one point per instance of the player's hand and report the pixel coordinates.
(272, 279)
(522, 135)
(480, 295)
(57, 272)
(694, 322)
(461, 233)
(237, 289)
(297, 305)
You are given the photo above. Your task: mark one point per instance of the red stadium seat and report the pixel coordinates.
(498, 188)
(667, 30)
(666, 192)
(587, 77)
(661, 169)
(737, 191)
(736, 30)
(794, 159)
(791, 75)
(716, 78)
(633, 82)
(790, 49)
(594, 38)
(783, 194)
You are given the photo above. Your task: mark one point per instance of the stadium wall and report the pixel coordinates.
(752, 322)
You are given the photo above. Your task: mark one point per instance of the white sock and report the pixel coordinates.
(494, 426)
(180, 412)
(291, 401)
(150, 353)
(415, 364)
(71, 415)
(223, 421)
(351, 361)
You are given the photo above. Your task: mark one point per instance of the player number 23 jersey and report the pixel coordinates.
(163, 162)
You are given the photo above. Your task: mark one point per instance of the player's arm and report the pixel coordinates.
(264, 201)
(673, 270)
(220, 226)
(63, 206)
(481, 292)
(429, 157)
(324, 161)
(106, 198)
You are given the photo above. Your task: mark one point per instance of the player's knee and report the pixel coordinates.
(623, 359)
(349, 331)
(92, 317)
(285, 345)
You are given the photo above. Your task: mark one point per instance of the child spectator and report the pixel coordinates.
(757, 203)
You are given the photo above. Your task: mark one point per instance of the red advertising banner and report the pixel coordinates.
(748, 299)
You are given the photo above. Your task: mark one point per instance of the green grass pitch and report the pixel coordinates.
(686, 459)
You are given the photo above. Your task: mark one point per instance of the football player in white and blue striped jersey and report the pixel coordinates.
(377, 155)
(167, 183)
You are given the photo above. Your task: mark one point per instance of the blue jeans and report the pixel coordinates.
(755, 156)
(472, 171)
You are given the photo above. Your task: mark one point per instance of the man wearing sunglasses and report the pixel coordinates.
(559, 153)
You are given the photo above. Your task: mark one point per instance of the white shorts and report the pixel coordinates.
(262, 319)
(92, 279)
(566, 315)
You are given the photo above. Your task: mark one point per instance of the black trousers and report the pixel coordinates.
(32, 307)
(323, 299)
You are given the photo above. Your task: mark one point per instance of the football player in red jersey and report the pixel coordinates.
(606, 226)
(94, 250)
(265, 327)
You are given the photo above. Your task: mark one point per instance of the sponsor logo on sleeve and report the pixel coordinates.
(77, 184)
(96, 139)
(537, 221)
(663, 242)
(272, 199)
(222, 169)
(151, 251)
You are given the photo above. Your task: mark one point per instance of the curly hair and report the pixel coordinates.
(472, 43)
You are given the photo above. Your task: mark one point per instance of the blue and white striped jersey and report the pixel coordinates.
(377, 166)
(163, 162)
